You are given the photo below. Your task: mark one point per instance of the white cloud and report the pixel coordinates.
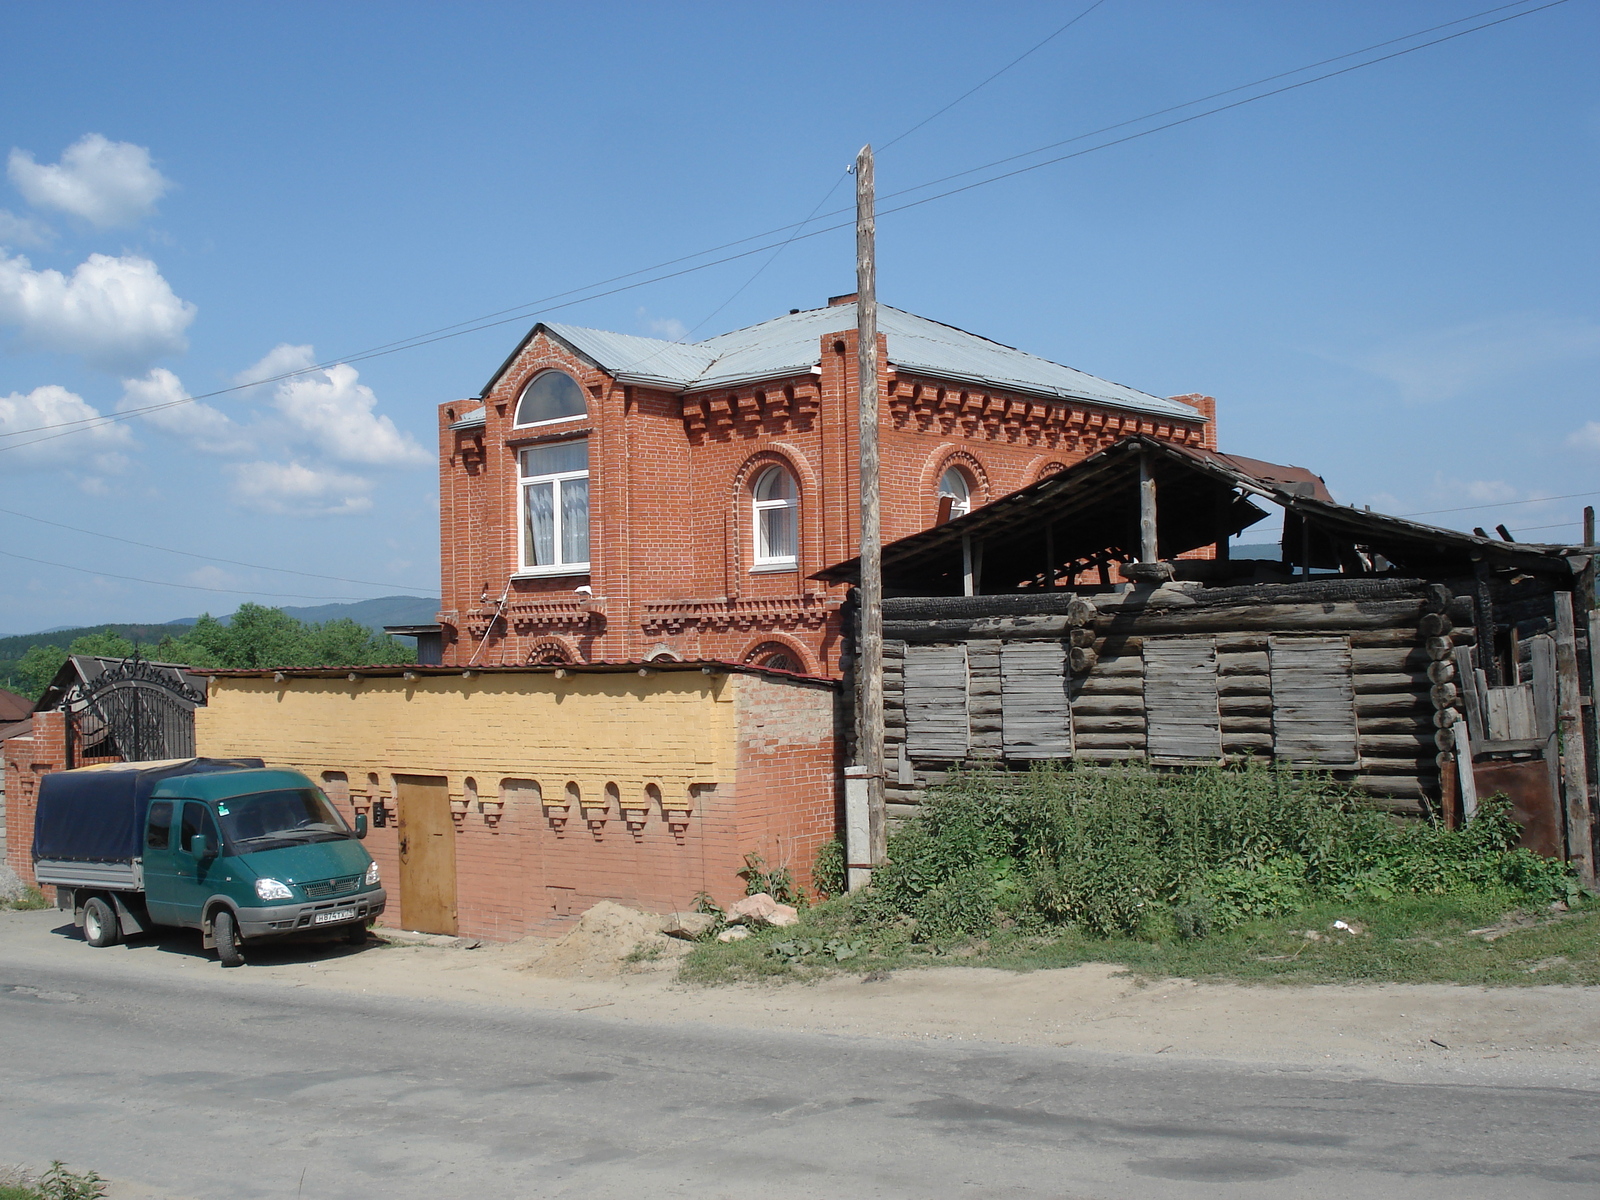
(280, 360)
(1444, 363)
(106, 183)
(203, 427)
(118, 313)
(336, 413)
(1587, 438)
(48, 410)
(670, 328)
(298, 490)
(23, 231)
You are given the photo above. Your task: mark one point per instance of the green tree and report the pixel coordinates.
(106, 644)
(38, 667)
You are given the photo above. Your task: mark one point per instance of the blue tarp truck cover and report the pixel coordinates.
(96, 814)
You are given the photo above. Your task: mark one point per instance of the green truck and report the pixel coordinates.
(225, 846)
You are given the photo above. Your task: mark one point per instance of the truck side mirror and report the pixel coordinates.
(200, 846)
(361, 826)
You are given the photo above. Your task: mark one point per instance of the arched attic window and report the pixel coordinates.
(776, 509)
(955, 495)
(551, 396)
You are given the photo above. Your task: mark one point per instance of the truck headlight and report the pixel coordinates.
(372, 875)
(271, 889)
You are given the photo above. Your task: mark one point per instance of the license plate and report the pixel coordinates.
(328, 918)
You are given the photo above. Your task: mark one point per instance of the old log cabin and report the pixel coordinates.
(1096, 615)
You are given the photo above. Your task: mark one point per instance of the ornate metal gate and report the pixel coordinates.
(134, 710)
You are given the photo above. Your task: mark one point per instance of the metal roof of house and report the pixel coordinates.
(789, 345)
(707, 666)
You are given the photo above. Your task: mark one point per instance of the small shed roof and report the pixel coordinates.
(14, 707)
(790, 345)
(1203, 497)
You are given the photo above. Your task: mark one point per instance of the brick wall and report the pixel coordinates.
(680, 774)
(28, 758)
(670, 508)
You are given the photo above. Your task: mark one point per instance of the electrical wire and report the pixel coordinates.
(110, 537)
(1501, 504)
(188, 587)
(546, 305)
(996, 75)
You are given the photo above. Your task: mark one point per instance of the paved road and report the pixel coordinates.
(205, 1085)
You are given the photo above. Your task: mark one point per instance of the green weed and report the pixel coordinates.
(1202, 871)
(30, 901)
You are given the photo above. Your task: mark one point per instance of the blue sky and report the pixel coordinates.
(1389, 276)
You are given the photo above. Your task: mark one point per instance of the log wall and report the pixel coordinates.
(1399, 643)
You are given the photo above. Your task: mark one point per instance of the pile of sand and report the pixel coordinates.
(602, 942)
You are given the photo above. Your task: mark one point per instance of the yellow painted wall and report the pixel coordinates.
(672, 729)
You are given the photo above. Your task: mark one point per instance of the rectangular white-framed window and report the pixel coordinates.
(553, 499)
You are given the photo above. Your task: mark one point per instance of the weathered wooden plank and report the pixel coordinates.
(1183, 722)
(935, 690)
(1313, 695)
(1033, 700)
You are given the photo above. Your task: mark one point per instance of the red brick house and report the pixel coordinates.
(618, 498)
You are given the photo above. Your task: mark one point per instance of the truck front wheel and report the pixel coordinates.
(225, 932)
(100, 927)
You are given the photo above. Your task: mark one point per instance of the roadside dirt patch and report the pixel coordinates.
(607, 940)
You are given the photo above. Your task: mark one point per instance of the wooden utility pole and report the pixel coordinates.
(869, 661)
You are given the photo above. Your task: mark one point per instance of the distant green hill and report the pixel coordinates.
(13, 648)
(374, 614)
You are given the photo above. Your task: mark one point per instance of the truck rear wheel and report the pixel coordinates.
(100, 927)
(225, 932)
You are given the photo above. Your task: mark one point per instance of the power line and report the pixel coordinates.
(1161, 112)
(188, 587)
(211, 557)
(493, 320)
(1501, 504)
(996, 75)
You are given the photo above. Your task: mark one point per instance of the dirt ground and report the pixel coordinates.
(1398, 1031)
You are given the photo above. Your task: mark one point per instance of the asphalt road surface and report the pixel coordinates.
(213, 1085)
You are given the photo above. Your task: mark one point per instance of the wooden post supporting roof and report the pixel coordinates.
(1149, 547)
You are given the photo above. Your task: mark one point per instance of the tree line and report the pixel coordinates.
(257, 636)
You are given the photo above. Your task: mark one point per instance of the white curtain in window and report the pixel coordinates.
(575, 520)
(540, 536)
(777, 517)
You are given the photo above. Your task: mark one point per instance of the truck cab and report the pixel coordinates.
(240, 853)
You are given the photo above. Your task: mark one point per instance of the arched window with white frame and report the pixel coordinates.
(550, 396)
(955, 495)
(776, 511)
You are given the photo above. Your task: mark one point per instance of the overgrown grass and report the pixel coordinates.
(29, 901)
(1215, 872)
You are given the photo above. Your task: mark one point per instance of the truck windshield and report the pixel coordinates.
(268, 820)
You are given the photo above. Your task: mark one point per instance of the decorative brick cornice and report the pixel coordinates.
(720, 615)
(979, 414)
(772, 408)
(568, 612)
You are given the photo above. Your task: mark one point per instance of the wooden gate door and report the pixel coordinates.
(427, 854)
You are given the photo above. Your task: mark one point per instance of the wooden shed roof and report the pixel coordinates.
(1203, 497)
